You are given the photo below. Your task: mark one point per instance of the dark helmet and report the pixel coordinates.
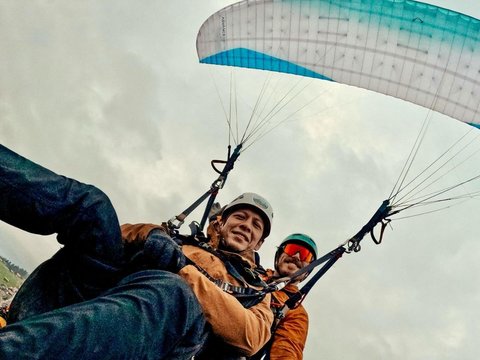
(297, 238)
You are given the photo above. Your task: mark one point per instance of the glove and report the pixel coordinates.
(163, 252)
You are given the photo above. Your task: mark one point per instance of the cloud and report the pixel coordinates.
(111, 93)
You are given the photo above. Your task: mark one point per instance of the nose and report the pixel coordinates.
(247, 225)
(297, 255)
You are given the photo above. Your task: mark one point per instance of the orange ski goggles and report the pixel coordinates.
(292, 249)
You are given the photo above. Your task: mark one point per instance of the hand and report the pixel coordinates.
(163, 252)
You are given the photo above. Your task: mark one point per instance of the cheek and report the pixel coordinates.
(258, 233)
(281, 259)
(284, 268)
(224, 230)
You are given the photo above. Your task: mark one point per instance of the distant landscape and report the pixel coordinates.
(11, 277)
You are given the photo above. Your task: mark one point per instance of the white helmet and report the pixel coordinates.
(257, 203)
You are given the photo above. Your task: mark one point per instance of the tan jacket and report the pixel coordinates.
(291, 333)
(246, 330)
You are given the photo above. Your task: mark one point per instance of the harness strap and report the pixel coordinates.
(218, 184)
(335, 253)
(352, 244)
(252, 276)
(228, 287)
(279, 313)
(246, 295)
(212, 193)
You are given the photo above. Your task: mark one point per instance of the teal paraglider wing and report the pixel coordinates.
(417, 52)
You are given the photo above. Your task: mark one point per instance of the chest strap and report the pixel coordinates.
(246, 295)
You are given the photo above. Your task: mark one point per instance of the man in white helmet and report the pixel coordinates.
(243, 206)
(223, 275)
(134, 294)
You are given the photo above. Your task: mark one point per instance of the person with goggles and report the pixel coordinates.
(289, 335)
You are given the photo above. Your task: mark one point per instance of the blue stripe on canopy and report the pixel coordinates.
(253, 59)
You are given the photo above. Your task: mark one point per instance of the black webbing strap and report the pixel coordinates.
(353, 244)
(246, 295)
(298, 297)
(334, 254)
(212, 192)
(218, 184)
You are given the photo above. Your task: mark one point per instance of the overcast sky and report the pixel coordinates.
(111, 93)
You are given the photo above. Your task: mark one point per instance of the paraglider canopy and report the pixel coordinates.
(420, 53)
(414, 51)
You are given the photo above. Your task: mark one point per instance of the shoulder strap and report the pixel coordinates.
(246, 295)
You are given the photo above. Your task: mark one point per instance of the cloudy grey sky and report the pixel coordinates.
(111, 93)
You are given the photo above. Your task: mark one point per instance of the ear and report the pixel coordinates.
(259, 244)
(218, 224)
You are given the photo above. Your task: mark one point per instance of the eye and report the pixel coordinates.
(239, 216)
(258, 224)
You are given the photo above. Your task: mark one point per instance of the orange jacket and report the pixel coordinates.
(246, 330)
(291, 333)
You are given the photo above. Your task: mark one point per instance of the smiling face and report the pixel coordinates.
(287, 265)
(242, 230)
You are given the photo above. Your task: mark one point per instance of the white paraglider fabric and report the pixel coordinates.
(420, 53)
